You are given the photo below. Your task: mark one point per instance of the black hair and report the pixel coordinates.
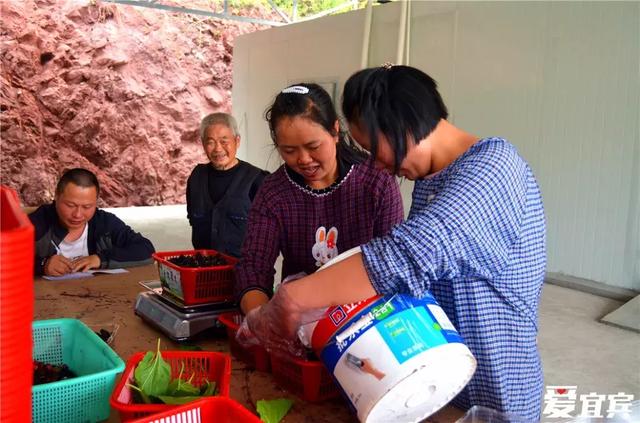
(399, 102)
(315, 105)
(79, 176)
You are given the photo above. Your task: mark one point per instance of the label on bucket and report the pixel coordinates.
(396, 358)
(406, 325)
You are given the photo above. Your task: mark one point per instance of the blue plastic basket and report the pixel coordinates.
(81, 399)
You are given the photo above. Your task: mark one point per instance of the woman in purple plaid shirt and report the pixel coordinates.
(324, 200)
(474, 237)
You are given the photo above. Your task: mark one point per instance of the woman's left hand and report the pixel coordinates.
(85, 263)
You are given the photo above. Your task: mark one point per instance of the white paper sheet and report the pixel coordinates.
(86, 274)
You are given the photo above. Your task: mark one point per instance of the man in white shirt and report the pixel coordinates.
(73, 235)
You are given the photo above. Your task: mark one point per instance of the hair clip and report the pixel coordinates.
(387, 65)
(296, 89)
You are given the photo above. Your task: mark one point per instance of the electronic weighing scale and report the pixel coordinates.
(174, 319)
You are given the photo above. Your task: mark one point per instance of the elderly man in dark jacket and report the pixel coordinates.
(72, 234)
(220, 192)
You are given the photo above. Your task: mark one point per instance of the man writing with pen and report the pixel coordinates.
(73, 235)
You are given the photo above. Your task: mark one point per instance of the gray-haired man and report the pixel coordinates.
(219, 193)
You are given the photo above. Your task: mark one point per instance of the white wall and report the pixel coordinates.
(265, 62)
(166, 227)
(560, 80)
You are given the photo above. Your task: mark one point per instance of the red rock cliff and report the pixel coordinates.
(116, 89)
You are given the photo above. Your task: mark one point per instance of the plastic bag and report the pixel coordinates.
(479, 414)
(632, 417)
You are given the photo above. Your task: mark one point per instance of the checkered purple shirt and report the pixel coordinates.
(475, 238)
(284, 218)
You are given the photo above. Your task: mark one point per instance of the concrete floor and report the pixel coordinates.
(577, 350)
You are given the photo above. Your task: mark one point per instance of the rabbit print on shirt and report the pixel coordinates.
(325, 247)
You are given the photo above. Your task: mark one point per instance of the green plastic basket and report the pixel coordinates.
(84, 398)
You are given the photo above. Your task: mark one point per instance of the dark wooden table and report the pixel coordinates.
(105, 300)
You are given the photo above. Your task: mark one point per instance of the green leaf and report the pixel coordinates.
(152, 374)
(178, 400)
(273, 411)
(209, 389)
(187, 347)
(180, 388)
(142, 396)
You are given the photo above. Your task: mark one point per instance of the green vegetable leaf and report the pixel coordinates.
(152, 374)
(144, 397)
(187, 347)
(178, 400)
(155, 386)
(175, 385)
(209, 389)
(180, 388)
(274, 410)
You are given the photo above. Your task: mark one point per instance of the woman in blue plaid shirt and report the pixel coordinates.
(474, 237)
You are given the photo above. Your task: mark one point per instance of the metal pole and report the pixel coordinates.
(402, 31)
(368, 19)
(196, 12)
(278, 11)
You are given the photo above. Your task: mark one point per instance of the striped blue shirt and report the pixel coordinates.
(475, 238)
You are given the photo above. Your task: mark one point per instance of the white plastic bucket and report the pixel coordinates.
(396, 358)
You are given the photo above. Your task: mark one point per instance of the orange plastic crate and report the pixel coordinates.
(255, 357)
(215, 409)
(308, 379)
(212, 366)
(196, 285)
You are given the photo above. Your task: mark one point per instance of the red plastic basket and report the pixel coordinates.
(215, 409)
(197, 285)
(308, 379)
(16, 308)
(255, 357)
(212, 366)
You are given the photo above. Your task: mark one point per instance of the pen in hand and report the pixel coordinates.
(58, 252)
(58, 264)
